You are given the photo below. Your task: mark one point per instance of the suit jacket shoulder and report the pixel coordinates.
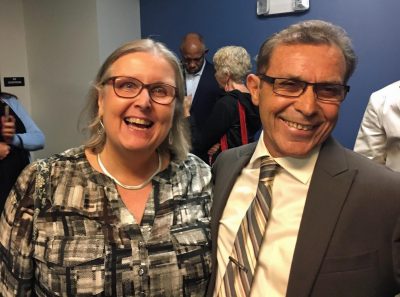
(233, 160)
(350, 216)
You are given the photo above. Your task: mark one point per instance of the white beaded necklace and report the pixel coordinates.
(128, 187)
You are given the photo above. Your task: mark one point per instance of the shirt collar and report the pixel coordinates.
(300, 168)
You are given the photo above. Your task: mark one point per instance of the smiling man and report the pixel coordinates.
(318, 219)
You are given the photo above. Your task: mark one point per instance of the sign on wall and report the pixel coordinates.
(14, 81)
(268, 7)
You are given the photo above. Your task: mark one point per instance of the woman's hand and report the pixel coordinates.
(8, 128)
(187, 104)
(4, 150)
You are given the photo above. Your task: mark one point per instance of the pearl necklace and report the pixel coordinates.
(128, 187)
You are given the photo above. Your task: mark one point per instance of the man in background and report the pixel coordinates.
(202, 89)
(379, 134)
(296, 214)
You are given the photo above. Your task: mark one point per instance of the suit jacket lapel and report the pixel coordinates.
(225, 174)
(199, 92)
(223, 187)
(328, 191)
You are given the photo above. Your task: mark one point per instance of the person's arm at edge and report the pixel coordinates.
(371, 138)
(34, 138)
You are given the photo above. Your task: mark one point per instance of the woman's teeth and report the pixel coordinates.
(138, 122)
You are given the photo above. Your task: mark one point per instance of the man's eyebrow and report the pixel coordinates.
(295, 77)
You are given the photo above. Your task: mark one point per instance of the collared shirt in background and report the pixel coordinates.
(192, 81)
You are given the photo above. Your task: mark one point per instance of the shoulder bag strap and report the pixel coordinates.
(243, 126)
(243, 129)
(42, 190)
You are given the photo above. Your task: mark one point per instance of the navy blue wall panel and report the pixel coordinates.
(373, 25)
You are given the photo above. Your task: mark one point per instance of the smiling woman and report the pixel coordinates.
(128, 208)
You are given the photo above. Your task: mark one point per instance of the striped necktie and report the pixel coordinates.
(240, 270)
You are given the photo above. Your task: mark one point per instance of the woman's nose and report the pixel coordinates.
(143, 98)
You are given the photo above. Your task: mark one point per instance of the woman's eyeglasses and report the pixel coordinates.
(129, 87)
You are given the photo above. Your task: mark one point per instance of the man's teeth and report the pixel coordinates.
(299, 126)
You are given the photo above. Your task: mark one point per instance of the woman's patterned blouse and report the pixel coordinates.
(66, 232)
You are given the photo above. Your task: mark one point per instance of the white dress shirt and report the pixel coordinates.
(192, 81)
(379, 134)
(289, 193)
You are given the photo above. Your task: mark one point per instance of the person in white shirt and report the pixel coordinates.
(333, 225)
(379, 134)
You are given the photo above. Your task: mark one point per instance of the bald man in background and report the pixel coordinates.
(202, 89)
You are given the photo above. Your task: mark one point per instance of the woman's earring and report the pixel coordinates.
(170, 138)
(101, 129)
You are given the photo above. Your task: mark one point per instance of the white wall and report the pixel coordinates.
(13, 57)
(63, 57)
(58, 47)
(117, 24)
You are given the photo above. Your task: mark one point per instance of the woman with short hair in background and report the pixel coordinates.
(234, 119)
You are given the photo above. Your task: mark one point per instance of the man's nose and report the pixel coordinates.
(307, 103)
(192, 63)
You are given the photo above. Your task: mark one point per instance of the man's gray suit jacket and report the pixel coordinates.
(349, 238)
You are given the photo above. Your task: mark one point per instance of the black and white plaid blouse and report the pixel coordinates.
(81, 240)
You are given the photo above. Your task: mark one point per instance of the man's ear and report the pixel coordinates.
(253, 84)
